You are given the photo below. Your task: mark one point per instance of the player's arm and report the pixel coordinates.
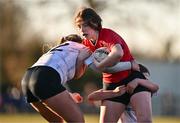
(120, 66)
(148, 84)
(143, 82)
(84, 53)
(112, 58)
(104, 94)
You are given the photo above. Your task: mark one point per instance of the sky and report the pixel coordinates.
(144, 26)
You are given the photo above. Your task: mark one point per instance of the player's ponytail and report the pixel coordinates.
(143, 69)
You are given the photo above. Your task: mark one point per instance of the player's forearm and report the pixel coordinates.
(113, 57)
(110, 60)
(120, 66)
(102, 94)
(148, 84)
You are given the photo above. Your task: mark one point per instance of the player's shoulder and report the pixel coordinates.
(108, 33)
(107, 30)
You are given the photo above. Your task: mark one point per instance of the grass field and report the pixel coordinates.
(35, 118)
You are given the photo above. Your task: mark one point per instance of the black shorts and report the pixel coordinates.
(125, 98)
(40, 83)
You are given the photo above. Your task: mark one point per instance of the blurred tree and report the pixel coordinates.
(15, 55)
(99, 5)
(168, 47)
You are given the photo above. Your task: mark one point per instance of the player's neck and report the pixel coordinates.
(95, 38)
(93, 42)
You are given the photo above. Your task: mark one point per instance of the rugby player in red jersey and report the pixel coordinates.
(88, 23)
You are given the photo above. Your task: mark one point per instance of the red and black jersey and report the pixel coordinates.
(108, 38)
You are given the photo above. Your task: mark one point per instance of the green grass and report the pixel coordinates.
(35, 118)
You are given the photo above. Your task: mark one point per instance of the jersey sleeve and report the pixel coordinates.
(116, 39)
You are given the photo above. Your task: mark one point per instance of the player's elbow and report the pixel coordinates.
(117, 51)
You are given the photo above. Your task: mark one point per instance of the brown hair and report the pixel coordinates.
(143, 69)
(71, 37)
(88, 16)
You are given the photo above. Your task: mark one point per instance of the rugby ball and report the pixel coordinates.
(100, 53)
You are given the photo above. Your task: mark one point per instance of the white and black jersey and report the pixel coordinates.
(63, 59)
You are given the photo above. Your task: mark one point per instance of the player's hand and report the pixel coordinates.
(131, 86)
(120, 90)
(135, 66)
(76, 97)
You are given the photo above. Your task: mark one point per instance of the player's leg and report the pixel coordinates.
(141, 103)
(112, 108)
(141, 100)
(128, 116)
(46, 112)
(35, 102)
(45, 84)
(64, 106)
(110, 111)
